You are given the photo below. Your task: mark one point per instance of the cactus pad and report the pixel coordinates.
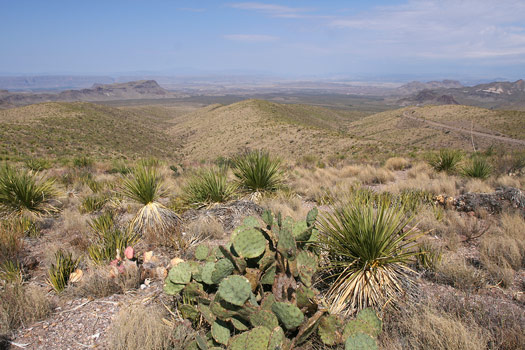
(329, 330)
(311, 216)
(366, 322)
(238, 342)
(267, 218)
(264, 318)
(277, 338)
(223, 268)
(181, 273)
(206, 313)
(305, 298)
(286, 245)
(239, 324)
(269, 276)
(306, 266)
(290, 315)
(258, 338)
(249, 243)
(207, 271)
(301, 231)
(190, 312)
(201, 252)
(171, 288)
(235, 290)
(220, 332)
(360, 341)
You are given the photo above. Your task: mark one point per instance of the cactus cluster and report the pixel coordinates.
(256, 292)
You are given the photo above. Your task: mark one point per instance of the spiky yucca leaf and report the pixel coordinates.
(257, 171)
(144, 185)
(61, 270)
(479, 168)
(207, 187)
(368, 248)
(23, 191)
(446, 160)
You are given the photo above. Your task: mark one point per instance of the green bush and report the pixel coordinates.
(110, 240)
(368, 248)
(446, 160)
(59, 272)
(257, 171)
(207, 187)
(22, 191)
(38, 164)
(478, 168)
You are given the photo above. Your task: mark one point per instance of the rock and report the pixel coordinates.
(76, 276)
(505, 197)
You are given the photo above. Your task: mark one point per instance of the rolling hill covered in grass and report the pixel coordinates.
(75, 129)
(188, 133)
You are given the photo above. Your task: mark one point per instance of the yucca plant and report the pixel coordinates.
(257, 171)
(11, 272)
(38, 164)
(110, 241)
(93, 203)
(446, 160)
(478, 168)
(207, 187)
(368, 247)
(59, 272)
(23, 191)
(153, 220)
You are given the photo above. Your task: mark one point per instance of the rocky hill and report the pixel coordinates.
(143, 89)
(416, 86)
(428, 97)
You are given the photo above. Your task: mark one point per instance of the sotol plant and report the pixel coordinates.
(478, 168)
(256, 292)
(207, 187)
(153, 220)
(257, 171)
(446, 160)
(21, 192)
(61, 270)
(368, 246)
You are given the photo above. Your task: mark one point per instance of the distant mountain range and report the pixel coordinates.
(494, 95)
(143, 89)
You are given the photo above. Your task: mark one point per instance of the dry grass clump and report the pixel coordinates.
(99, 282)
(503, 252)
(287, 206)
(140, 327)
(206, 227)
(435, 183)
(370, 175)
(21, 305)
(508, 181)
(478, 186)
(424, 327)
(397, 163)
(454, 270)
(10, 240)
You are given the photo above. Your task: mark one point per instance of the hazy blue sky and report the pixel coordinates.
(356, 38)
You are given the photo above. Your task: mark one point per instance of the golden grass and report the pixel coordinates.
(457, 272)
(206, 227)
(21, 305)
(286, 205)
(478, 186)
(156, 330)
(397, 163)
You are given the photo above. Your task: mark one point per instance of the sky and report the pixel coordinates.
(353, 39)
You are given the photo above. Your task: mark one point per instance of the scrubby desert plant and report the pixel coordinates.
(38, 164)
(110, 241)
(445, 160)
(22, 191)
(397, 163)
(478, 168)
(21, 304)
(368, 249)
(207, 187)
(82, 162)
(60, 271)
(93, 203)
(153, 220)
(258, 171)
(10, 241)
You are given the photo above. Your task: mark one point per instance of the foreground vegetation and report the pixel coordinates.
(435, 277)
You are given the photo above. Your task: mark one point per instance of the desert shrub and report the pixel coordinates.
(110, 240)
(60, 271)
(155, 333)
(457, 272)
(21, 305)
(100, 282)
(120, 167)
(82, 162)
(37, 164)
(478, 186)
(397, 163)
(153, 220)
(206, 227)
(478, 168)
(370, 175)
(207, 187)
(10, 241)
(429, 256)
(11, 272)
(424, 327)
(22, 191)
(368, 250)
(93, 203)
(445, 160)
(257, 171)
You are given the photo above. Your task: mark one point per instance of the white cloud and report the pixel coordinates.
(442, 29)
(251, 37)
(272, 9)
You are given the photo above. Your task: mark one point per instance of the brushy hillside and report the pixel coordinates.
(185, 133)
(76, 129)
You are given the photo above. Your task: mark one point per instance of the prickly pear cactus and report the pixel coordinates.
(256, 292)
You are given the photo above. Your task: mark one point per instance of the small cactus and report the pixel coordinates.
(290, 315)
(201, 252)
(181, 273)
(249, 243)
(235, 290)
(360, 341)
(220, 332)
